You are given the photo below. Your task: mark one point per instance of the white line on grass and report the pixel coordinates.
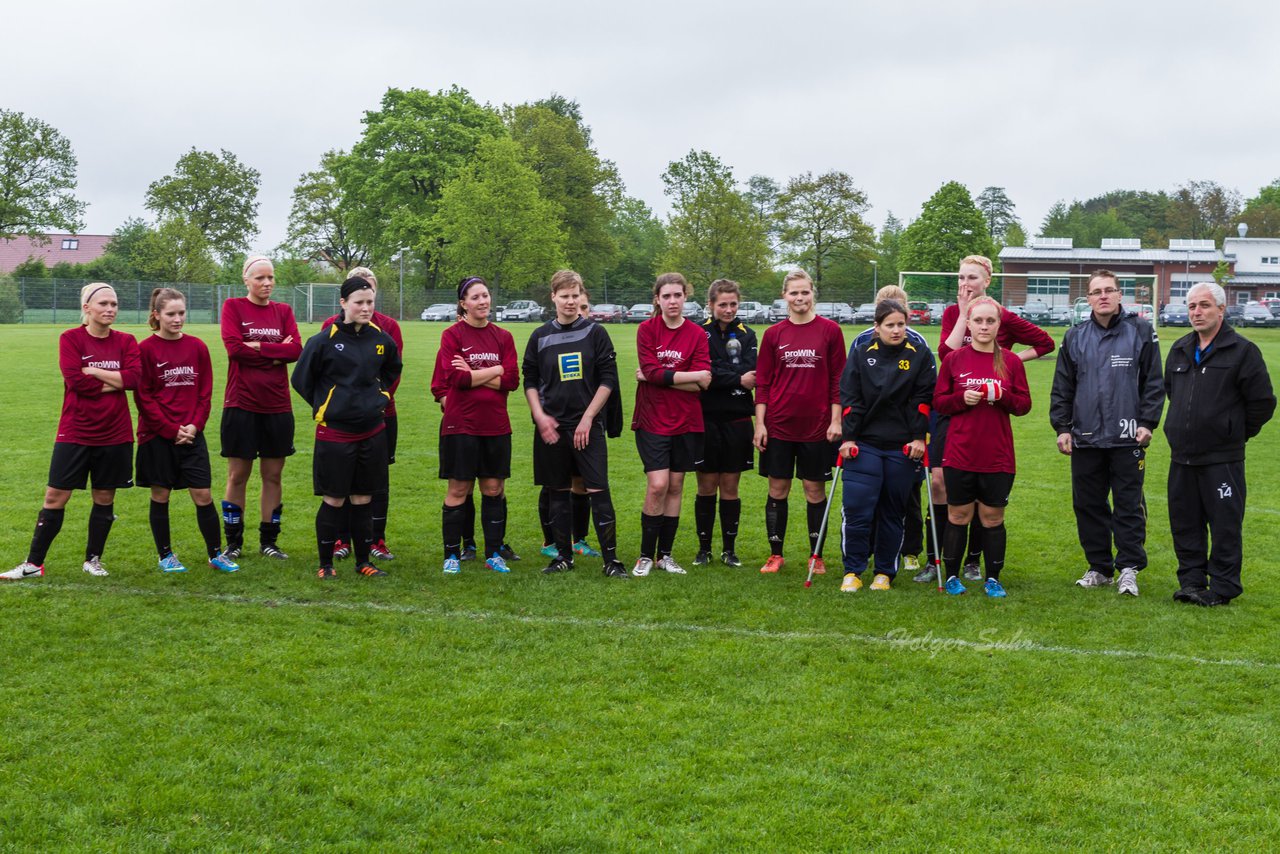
(896, 638)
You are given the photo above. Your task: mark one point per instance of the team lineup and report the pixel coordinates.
(709, 399)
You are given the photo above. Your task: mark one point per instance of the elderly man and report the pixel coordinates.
(1106, 401)
(1219, 397)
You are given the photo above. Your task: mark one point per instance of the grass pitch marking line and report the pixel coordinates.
(895, 638)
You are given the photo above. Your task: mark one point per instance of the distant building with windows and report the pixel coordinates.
(72, 248)
(1255, 265)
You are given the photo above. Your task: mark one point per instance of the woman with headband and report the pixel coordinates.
(346, 373)
(94, 442)
(261, 337)
(475, 371)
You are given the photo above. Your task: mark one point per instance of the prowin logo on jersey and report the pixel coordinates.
(799, 358)
(484, 360)
(178, 372)
(570, 366)
(257, 333)
(670, 357)
(105, 364)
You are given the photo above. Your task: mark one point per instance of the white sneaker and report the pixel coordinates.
(642, 567)
(1128, 585)
(1093, 578)
(93, 566)
(26, 569)
(666, 562)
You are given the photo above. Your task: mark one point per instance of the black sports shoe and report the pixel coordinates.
(703, 558)
(273, 551)
(558, 565)
(232, 550)
(507, 553)
(368, 570)
(615, 569)
(1190, 595)
(468, 552)
(730, 558)
(326, 572)
(1203, 598)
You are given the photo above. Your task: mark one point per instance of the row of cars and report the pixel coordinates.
(528, 311)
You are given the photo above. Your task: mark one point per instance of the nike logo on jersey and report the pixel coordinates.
(86, 358)
(965, 374)
(246, 323)
(161, 364)
(465, 349)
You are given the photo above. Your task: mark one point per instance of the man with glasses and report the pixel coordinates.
(1106, 402)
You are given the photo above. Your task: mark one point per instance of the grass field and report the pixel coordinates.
(720, 711)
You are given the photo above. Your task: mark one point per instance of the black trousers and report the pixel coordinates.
(1117, 473)
(1207, 502)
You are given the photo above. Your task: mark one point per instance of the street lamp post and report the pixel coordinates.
(403, 249)
(875, 278)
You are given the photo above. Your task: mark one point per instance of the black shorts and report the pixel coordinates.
(555, 465)
(991, 488)
(339, 469)
(161, 462)
(393, 433)
(108, 466)
(812, 461)
(937, 438)
(681, 452)
(466, 457)
(249, 435)
(726, 447)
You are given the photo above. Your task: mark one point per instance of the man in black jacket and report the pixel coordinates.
(1106, 402)
(1219, 397)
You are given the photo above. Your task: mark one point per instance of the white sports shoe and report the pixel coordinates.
(93, 566)
(1093, 578)
(642, 567)
(666, 562)
(26, 569)
(1128, 585)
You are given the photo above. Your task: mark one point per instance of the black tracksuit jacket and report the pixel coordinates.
(725, 399)
(346, 374)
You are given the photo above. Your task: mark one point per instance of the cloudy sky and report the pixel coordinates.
(1049, 101)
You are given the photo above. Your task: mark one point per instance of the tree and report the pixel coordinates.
(37, 177)
(119, 261)
(1262, 212)
(1204, 210)
(215, 193)
(320, 218)
(998, 210)
(1015, 236)
(822, 216)
(641, 240)
(496, 224)
(762, 193)
(949, 228)
(175, 251)
(712, 231)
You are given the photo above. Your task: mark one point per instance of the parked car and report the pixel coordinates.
(497, 310)
(440, 311)
(866, 313)
(1273, 305)
(607, 312)
(1146, 311)
(522, 311)
(1235, 315)
(846, 312)
(778, 311)
(1060, 315)
(935, 311)
(1037, 312)
(837, 311)
(640, 312)
(1257, 314)
(1174, 315)
(919, 314)
(752, 312)
(1080, 310)
(692, 311)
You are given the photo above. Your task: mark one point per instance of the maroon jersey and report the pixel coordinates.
(91, 416)
(798, 378)
(478, 410)
(388, 325)
(175, 388)
(979, 437)
(1013, 330)
(660, 408)
(257, 380)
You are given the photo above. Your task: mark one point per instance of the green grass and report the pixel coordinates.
(723, 710)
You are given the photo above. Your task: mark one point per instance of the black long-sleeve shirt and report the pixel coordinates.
(882, 391)
(567, 365)
(725, 399)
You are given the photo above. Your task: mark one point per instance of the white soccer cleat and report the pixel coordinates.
(26, 569)
(642, 567)
(668, 563)
(94, 566)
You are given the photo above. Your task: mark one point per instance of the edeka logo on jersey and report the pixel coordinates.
(570, 366)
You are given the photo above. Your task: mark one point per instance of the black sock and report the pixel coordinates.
(775, 523)
(667, 535)
(560, 513)
(493, 522)
(329, 520)
(650, 529)
(994, 542)
(360, 523)
(581, 516)
(975, 540)
(378, 511)
(207, 521)
(346, 534)
(469, 521)
(100, 519)
(606, 524)
(814, 513)
(48, 524)
(233, 524)
(730, 513)
(940, 522)
(704, 520)
(544, 516)
(952, 548)
(452, 521)
(160, 527)
(269, 532)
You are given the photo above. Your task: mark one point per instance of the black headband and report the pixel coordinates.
(355, 283)
(95, 290)
(466, 283)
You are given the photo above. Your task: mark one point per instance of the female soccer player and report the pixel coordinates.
(798, 411)
(173, 406)
(475, 372)
(675, 367)
(979, 385)
(261, 337)
(886, 391)
(346, 373)
(974, 278)
(95, 435)
(726, 418)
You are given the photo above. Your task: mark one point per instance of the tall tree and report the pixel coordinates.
(641, 240)
(998, 210)
(762, 192)
(1204, 210)
(950, 227)
(320, 218)
(1262, 212)
(216, 193)
(175, 251)
(822, 216)
(37, 179)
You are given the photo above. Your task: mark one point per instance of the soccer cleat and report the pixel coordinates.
(581, 548)
(497, 564)
(222, 563)
(819, 566)
(231, 551)
(326, 572)
(910, 563)
(851, 583)
(452, 566)
(26, 569)
(973, 571)
(729, 558)
(550, 550)
(368, 570)
(380, 551)
(773, 564)
(271, 550)
(93, 566)
(1128, 585)
(468, 552)
(993, 589)
(925, 575)
(703, 558)
(508, 554)
(170, 563)
(881, 582)
(642, 567)
(955, 587)
(668, 563)
(557, 565)
(341, 550)
(1093, 578)
(615, 569)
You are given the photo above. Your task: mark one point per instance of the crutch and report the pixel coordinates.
(822, 530)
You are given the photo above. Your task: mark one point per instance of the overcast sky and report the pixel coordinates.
(1050, 101)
